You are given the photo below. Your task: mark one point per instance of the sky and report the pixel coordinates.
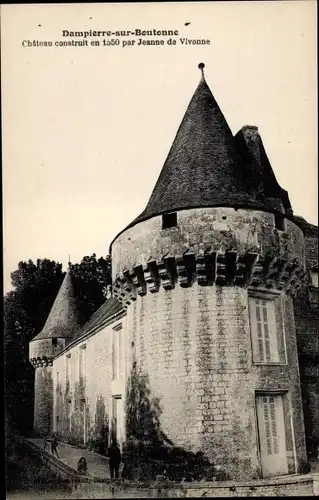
(86, 130)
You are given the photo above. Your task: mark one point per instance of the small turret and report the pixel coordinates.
(61, 325)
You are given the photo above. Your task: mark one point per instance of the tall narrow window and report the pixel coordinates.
(82, 364)
(314, 278)
(266, 330)
(114, 356)
(313, 288)
(117, 355)
(120, 364)
(67, 371)
(279, 222)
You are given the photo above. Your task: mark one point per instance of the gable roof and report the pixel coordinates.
(108, 309)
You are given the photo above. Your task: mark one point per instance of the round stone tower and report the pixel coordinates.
(61, 325)
(207, 273)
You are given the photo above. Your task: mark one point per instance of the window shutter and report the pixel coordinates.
(253, 327)
(267, 425)
(120, 351)
(264, 330)
(260, 331)
(272, 328)
(270, 420)
(273, 424)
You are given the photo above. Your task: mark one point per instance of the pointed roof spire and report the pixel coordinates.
(203, 167)
(63, 320)
(201, 67)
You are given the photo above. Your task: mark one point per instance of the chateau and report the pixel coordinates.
(209, 342)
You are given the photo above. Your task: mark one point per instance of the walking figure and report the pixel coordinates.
(82, 466)
(115, 459)
(54, 445)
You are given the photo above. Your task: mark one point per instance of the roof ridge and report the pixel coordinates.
(107, 309)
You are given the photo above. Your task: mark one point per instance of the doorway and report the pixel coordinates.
(272, 434)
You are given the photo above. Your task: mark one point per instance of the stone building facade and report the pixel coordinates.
(209, 342)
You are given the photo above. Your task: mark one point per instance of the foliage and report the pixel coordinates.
(26, 308)
(25, 311)
(148, 450)
(142, 411)
(92, 283)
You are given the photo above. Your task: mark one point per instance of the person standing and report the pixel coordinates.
(115, 459)
(54, 445)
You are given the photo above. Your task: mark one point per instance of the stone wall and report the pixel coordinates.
(45, 349)
(193, 347)
(299, 486)
(213, 229)
(187, 346)
(82, 401)
(43, 400)
(306, 317)
(185, 289)
(41, 354)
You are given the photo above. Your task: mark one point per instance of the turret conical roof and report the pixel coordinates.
(207, 166)
(63, 320)
(203, 167)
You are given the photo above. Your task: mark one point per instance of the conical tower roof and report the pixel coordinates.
(207, 166)
(203, 167)
(63, 320)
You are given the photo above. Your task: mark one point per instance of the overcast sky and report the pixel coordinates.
(86, 130)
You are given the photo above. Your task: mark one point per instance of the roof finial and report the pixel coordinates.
(201, 67)
(69, 262)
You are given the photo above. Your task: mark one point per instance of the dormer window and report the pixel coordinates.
(54, 342)
(169, 220)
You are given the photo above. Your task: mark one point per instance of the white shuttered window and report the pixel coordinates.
(272, 434)
(262, 313)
